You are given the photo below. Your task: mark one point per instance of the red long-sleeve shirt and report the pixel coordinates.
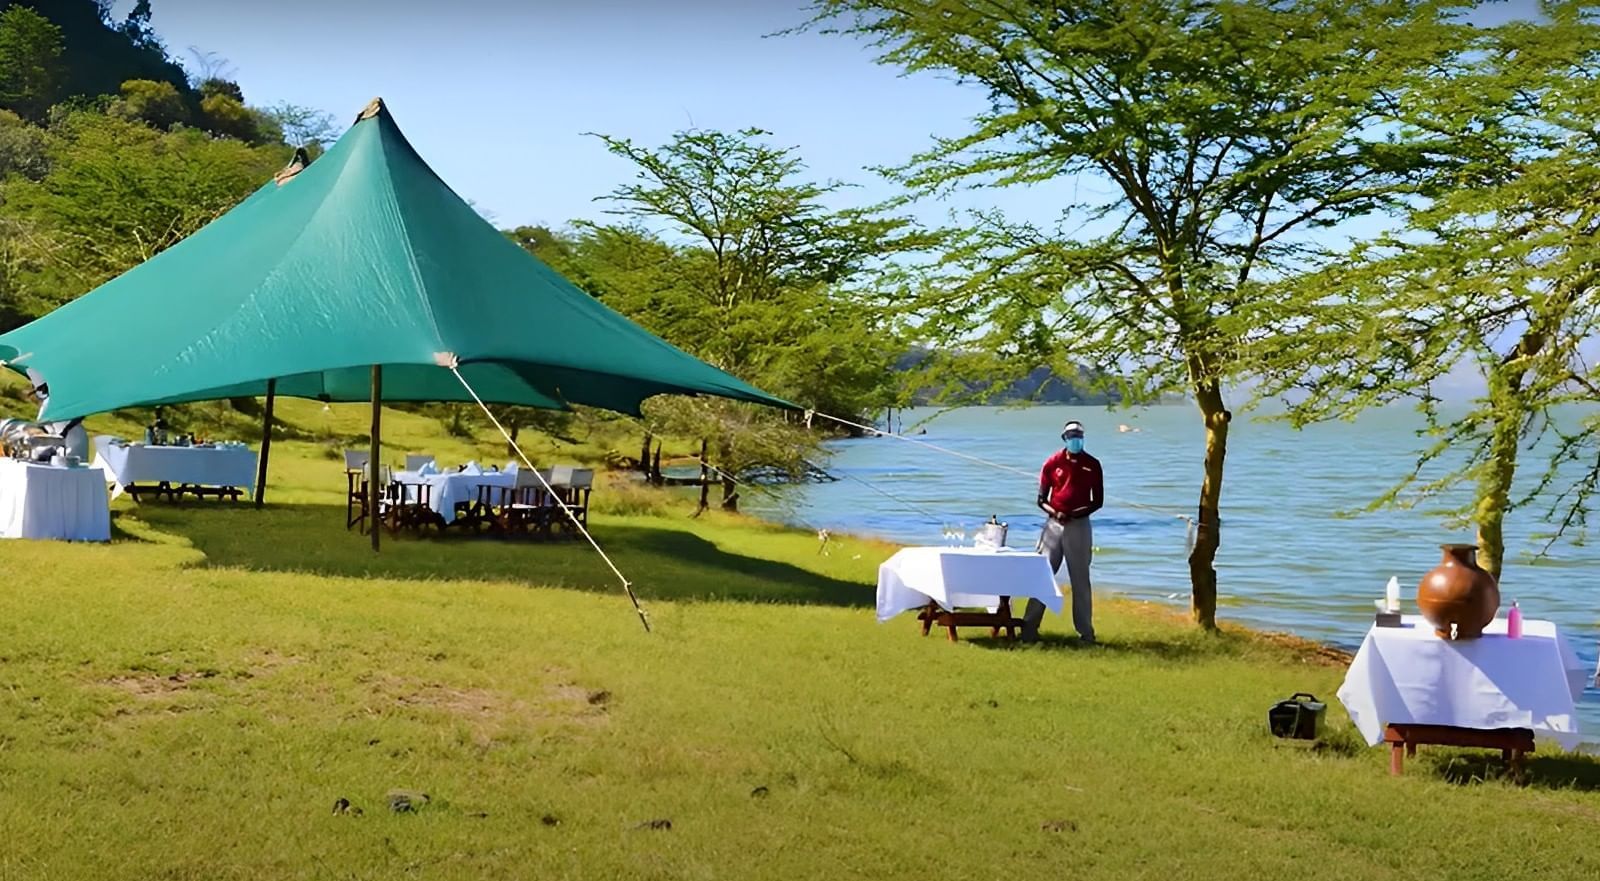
(1072, 483)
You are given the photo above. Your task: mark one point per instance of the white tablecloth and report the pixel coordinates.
(968, 577)
(454, 487)
(201, 466)
(1407, 675)
(39, 501)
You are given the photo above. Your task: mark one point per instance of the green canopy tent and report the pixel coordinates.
(360, 276)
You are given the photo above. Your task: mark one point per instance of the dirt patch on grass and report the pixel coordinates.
(490, 713)
(268, 660)
(470, 703)
(150, 685)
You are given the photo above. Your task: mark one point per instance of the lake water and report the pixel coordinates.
(1296, 553)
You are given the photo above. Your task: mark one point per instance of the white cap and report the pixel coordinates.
(1072, 425)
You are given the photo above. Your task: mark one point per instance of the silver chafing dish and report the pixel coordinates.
(29, 441)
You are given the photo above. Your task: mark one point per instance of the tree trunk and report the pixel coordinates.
(1494, 481)
(1208, 537)
(644, 454)
(655, 467)
(511, 447)
(730, 490)
(705, 481)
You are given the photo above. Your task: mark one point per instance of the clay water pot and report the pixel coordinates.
(1458, 592)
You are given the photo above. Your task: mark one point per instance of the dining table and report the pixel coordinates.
(1408, 686)
(964, 586)
(45, 501)
(223, 470)
(453, 492)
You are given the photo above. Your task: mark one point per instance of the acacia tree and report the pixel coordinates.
(1500, 272)
(1224, 131)
(759, 283)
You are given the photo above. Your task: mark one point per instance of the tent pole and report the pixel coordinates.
(266, 445)
(373, 461)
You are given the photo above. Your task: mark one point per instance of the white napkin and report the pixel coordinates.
(511, 468)
(472, 468)
(427, 469)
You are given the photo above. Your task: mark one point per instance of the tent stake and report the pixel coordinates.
(266, 445)
(374, 522)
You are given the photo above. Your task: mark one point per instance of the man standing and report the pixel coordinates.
(1071, 487)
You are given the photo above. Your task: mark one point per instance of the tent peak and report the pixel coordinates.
(373, 108)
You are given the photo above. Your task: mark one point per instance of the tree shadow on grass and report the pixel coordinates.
(1561, 771)
(662, 563)
(1168, 650)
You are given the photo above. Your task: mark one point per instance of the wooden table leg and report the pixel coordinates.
(1396, 759)
(927, 617)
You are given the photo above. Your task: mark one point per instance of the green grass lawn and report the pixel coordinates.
(190, 702)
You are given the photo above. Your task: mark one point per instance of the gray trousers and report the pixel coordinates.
(1071, 542)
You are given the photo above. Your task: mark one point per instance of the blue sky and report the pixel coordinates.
(497, 94)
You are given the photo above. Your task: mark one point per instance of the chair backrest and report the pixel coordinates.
(560, 476)
(415, 461)
(526, 478)
(356, 460)
(582, 478)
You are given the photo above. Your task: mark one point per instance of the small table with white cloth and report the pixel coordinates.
(138, 470)
(47, 501)
(449, 489)
(940, 580)
(1408, 686)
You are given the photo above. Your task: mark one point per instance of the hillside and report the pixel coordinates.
(1040, 386)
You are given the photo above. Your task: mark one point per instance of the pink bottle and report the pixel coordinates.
(1514, 622)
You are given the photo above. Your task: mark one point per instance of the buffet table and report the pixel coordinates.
(940, 581)
(221, 471)
(51, 502)
(1407, 686)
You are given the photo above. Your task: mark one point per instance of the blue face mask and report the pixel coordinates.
(1074, 444)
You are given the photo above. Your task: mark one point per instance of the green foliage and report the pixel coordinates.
(1499, 271)
(136, 27)
(155, 103)
(213, 86)
(24, 149)
(729, 253)
(228, 117)
(117, 194)
(303, 126)
(99, 55)
(30, 62)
